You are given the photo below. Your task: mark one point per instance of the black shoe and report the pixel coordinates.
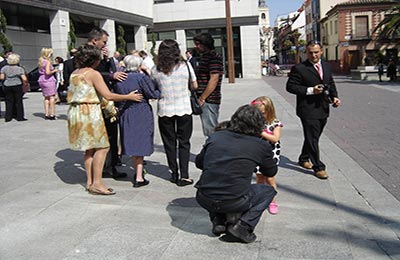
(232, 218)
(242, 232)
(23, 119)
(174, 178)
(218, 226)
(184, 182)
(117, 175)
(138, 184)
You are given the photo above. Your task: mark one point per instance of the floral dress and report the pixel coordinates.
(85, 120)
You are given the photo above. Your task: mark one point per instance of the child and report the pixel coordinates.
(272, 133)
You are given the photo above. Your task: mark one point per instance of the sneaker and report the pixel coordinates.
(273, 208)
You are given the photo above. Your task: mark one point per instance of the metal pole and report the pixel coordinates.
(231, 66)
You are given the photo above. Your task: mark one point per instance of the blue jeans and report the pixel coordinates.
(209, 118)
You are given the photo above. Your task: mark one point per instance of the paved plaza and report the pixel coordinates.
(45, 212)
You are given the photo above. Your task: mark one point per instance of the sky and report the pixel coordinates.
(281, 7)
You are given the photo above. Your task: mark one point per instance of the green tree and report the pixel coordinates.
(153, 47)
(72, 35)
(4, 41)
(389, 27)
(121, 43)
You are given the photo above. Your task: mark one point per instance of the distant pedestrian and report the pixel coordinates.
(59, 65)
(191, 59)
(47, 82)
(271, 133)
(14, 79)
(380, 70)
(392, 71)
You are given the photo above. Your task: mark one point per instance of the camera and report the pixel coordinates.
(325, 91)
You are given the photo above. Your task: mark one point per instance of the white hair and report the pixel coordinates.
(132, 62)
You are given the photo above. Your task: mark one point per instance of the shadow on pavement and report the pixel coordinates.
(376, 219)
(286, 163)
(181, 210)
(70, 169)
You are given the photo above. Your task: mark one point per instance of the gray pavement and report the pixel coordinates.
(46, 214)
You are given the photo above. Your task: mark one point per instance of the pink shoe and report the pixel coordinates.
(273, 208)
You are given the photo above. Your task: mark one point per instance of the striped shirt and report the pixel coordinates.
(210, 63)
(175, 94)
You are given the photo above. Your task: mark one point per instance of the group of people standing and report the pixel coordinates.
(93, 87)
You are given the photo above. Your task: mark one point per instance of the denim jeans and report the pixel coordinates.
(209, 118)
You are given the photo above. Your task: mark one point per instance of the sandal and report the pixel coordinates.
(95, 191)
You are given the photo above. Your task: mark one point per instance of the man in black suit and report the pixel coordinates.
(314, 87)
(69, 67)
(99, 37)
(191, 59)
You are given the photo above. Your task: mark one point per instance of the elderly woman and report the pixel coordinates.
(14, 77)
(136, 118)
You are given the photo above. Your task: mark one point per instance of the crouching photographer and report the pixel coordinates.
(234, 204)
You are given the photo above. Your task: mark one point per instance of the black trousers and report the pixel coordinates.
(176, 132)
(252, 205)
(112, 132)
(13, 100)
(312, 130)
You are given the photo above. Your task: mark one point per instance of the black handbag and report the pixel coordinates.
(194, 101)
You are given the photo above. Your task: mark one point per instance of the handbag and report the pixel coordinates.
(109, 109)
(194, 101)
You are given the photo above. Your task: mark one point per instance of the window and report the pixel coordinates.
(361, 26)
(263, 16)
(163, 1)
(336, 23)
(160, 36)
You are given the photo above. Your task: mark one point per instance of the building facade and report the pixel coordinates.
(34, 24)
(348, 35)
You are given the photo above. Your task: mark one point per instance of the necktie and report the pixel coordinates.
(319, 70)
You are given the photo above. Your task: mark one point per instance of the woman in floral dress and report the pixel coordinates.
(87, 95)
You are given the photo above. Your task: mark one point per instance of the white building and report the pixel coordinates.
(46, 23)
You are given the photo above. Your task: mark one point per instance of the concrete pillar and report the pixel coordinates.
(141, 39)
(109, 26)
(59, 28)
(250, 42)
(181, 39)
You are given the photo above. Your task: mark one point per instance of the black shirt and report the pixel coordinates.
(228, 160)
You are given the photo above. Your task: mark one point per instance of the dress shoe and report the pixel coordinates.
(218, 227)
(174, 178)
(22, 119)
(184, 182)
(116, 174)
(138, 184)
(322, 175)
(241, 231)
(306, 165)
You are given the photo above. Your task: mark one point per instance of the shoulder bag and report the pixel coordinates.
(194, 101)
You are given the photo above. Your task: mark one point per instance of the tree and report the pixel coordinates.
(4, 41)
(72, 35)
(121, 43)
(389, 27)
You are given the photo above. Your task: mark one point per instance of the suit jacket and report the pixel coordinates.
(69, 67)
(303, 76)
